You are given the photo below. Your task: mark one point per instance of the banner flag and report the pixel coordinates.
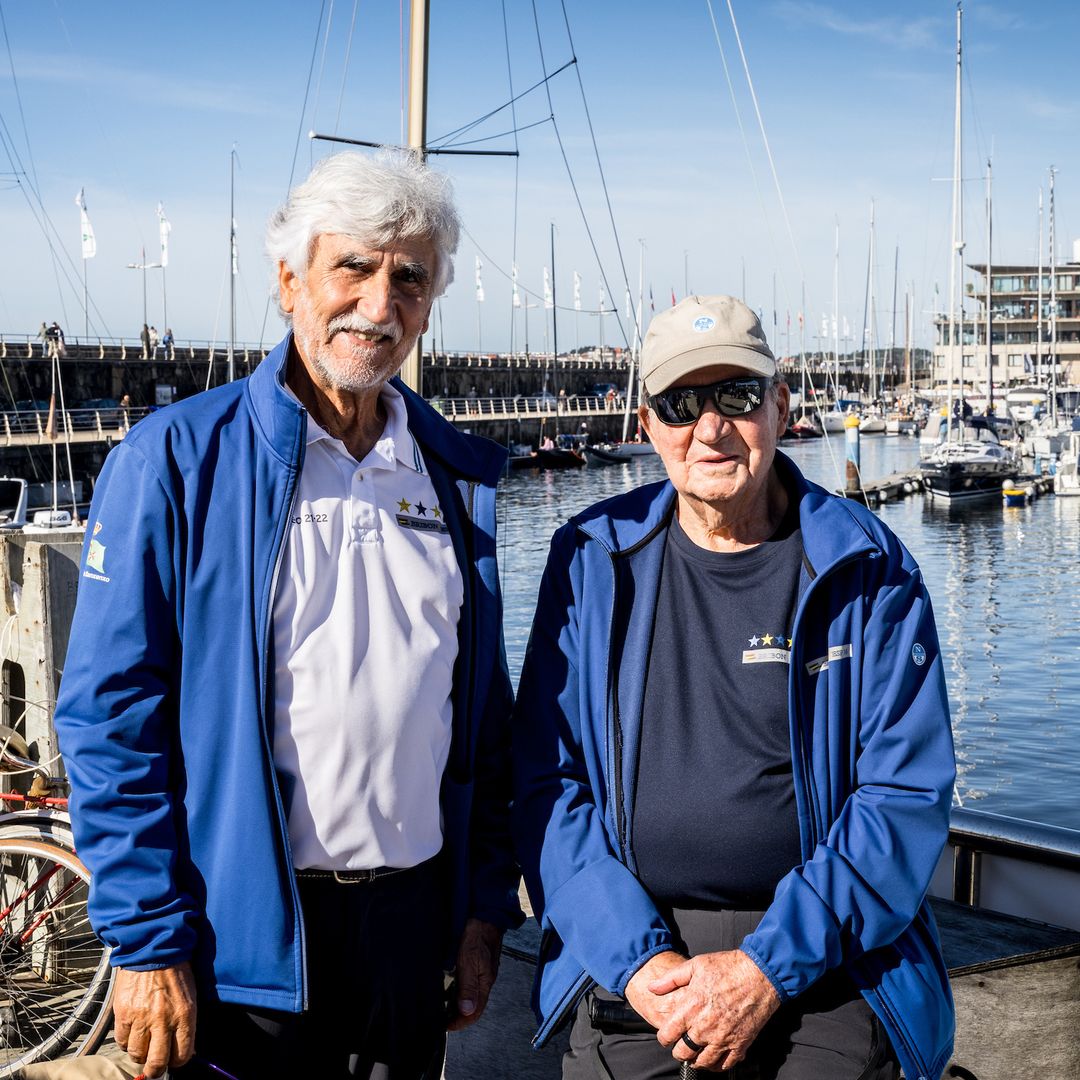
(164, 228)
(89, 244)
(514, 279)
(479, 283)
(577, 291)
(549, 296)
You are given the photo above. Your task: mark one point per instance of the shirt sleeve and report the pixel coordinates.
(115, 717)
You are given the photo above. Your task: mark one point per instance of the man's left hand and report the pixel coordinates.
(724, 1002)
(477, 965)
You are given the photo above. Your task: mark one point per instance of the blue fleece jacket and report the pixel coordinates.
(165, 705)
(871, 746)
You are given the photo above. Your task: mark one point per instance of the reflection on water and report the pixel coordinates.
(1005, 583)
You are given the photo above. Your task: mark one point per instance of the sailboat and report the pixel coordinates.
(971, 463)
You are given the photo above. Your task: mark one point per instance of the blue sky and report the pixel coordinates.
(141, 103)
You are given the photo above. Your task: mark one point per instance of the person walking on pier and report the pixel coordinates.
(733, 758)
(43, 337)
(153, 342)
(144, 338)
(285, 706)
(168, 345)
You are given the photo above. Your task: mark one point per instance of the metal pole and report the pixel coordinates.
(232, 265)
(85, 304)
(412, 371)
(989, 316)
(142, 267)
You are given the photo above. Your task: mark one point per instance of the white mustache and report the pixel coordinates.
(354, 324)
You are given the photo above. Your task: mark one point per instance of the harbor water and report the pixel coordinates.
(1005, 584)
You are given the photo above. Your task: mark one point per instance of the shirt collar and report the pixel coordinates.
(395, 444)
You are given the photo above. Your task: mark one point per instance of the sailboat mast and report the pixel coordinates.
(989, 313)
(1039, 307)
(412, 369)
(628, 405)
(1053, 307)
(957, 229)
(836, 316)
(232, 265)
(870, 309)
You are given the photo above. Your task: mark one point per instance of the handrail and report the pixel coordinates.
(1031, 841)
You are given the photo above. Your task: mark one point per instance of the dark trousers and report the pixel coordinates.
(827, 1033)
(376, 1006)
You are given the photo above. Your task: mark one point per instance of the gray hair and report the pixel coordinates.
(378, 200)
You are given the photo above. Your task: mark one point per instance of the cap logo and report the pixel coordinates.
(702, 324)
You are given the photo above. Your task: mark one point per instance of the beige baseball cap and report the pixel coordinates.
(700, 332)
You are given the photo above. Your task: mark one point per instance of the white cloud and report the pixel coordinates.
(919, 33)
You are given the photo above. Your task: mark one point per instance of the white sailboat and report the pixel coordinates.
(971, 462)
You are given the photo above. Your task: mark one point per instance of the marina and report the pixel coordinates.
(965, 440)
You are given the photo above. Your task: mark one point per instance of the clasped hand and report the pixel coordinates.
(721, 1000)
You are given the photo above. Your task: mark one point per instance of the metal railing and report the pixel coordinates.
(31, 427)
(462, 410)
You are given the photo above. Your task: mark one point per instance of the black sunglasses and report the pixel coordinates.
(681, 406)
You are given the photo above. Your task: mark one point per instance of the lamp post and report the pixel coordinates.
(143, 265)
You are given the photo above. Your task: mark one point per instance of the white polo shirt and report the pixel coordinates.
(365, 638)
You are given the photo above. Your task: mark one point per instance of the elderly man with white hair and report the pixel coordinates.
(285, 702)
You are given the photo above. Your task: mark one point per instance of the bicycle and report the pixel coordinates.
(55, 977)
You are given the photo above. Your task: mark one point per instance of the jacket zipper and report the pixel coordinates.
(817, 826)
(616, 722)
(265, 663)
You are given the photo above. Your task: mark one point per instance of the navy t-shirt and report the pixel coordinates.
(715, 821)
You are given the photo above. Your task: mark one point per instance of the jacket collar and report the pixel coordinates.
(833, 529)
(279, 413)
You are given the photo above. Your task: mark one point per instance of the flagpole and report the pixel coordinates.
(85, 303)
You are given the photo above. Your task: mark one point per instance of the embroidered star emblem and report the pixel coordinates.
(755, 640)
(421, 509)
(767, 639)
(780, 639)
(437, 512)
(790, 642)
(404, 505)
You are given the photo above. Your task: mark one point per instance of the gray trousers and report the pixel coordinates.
(827, 1033)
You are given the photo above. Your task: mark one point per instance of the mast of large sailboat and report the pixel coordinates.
(836, 316)
(956, 253)
(412, 369)
(989, 315)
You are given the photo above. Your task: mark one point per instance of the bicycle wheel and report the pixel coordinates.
(48, 825)
(55, 976)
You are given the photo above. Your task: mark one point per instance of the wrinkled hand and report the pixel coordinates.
(477, 966)
(723, 1002)
(154, 1016)
(651, 1008)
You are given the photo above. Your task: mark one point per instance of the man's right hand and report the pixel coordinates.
(154, 1014)
(653, 1008)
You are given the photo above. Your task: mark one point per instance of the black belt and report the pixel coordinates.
(353, 877)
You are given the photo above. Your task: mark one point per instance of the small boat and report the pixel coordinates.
(559, 458)
(1067, 476)
(14, 497)
(616, 453)
(803, 428)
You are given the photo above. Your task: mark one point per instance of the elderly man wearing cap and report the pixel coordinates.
(733, 758)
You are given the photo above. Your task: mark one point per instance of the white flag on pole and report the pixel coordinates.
(89, 244)
(235, 255)
(577, 291)
(847, 328)
(479, 283)
(825, 326)
(603, 298)
(514, 279)
(164, 228)
(629, 307)
(549, 297)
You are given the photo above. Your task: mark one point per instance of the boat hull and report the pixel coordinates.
(964, 481)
